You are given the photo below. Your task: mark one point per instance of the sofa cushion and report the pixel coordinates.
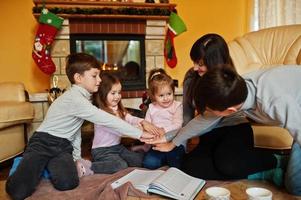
(12, 113)
(271, 137)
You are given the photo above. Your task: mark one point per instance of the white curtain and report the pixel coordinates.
(269, 13)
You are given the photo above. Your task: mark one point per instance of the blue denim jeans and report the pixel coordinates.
(155, 159)
(293, 173)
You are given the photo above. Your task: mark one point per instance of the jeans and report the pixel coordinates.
(293, 173)
(108, 160)
(155, 159)
(43, 151)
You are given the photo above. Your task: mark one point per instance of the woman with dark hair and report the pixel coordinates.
(226, 151)
(207, 52)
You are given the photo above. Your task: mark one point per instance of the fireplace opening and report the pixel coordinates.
(122, 55)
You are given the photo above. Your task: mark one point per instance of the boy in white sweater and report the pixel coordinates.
(56, 144)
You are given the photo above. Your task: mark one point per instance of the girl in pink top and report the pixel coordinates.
(167, 114)
(108, 155)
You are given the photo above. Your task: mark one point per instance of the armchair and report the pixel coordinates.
(15, 113)
(263, 49)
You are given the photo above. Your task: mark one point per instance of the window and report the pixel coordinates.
(269, 13)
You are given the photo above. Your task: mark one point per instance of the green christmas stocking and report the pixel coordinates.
(176, 26)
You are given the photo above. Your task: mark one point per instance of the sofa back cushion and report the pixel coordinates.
(267, 48)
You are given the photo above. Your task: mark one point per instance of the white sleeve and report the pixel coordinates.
(287, 111)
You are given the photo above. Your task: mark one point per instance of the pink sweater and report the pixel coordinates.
(106, 137)
(170, 118)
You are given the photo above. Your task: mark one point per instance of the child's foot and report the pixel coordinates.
(84, 168)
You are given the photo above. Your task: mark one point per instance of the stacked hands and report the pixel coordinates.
(155, 136)
(151, 135)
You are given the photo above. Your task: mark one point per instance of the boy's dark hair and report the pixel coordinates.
(100, 97)
(79, 63)
(210, 49)
(220, 89)
(158, 78)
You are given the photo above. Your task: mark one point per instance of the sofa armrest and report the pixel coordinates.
(12, 91)
(13, 113)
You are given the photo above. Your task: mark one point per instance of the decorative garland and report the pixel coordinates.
(107, 11)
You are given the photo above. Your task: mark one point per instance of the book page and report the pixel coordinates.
(176, 184)
(140, 179)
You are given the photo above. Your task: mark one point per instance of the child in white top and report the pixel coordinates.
(108, 155)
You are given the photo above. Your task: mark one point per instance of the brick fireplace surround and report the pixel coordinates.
(153, 27)
(154, 31)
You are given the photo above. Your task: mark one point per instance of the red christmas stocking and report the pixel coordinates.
(48, 27)
(169, 50)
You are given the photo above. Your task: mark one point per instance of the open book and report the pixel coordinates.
(171, 183)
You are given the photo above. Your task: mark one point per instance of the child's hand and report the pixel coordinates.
(164, 147)
(149, 127)
(146, 136)
(154, 140)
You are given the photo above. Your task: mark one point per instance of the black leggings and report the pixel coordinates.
(227, 153)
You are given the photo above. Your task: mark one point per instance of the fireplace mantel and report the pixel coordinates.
(105, 9)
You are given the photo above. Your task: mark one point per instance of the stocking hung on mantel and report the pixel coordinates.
(175, 27)
(49, 24)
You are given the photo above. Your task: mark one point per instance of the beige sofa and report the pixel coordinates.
(262, 49)
(15, 112)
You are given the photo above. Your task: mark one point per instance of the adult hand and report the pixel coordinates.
(164, 147)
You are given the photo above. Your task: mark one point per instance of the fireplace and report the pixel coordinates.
(119, 54)
(107, 21)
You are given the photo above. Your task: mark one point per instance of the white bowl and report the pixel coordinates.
(259, 193)
(217, 193)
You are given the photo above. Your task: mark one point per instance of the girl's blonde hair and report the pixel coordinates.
(157, 79)
(100, 97)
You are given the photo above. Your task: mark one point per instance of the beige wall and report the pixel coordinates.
(18, 26)
(17, 33)
(225, 17)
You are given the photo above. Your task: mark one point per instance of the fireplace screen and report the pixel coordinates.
(123, 56)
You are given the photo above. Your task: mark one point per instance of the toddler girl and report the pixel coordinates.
(166, 113)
